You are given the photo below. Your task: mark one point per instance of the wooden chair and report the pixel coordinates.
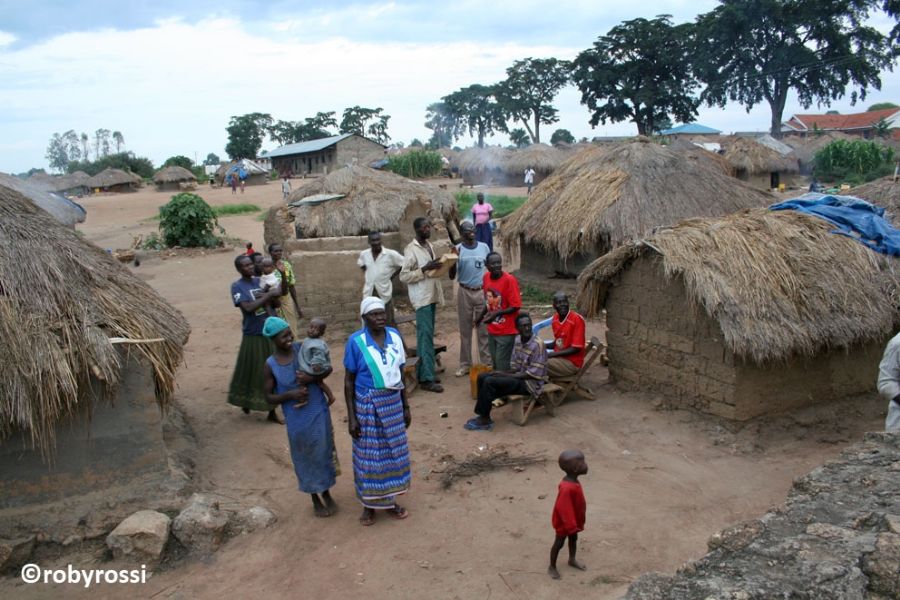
(553, 394)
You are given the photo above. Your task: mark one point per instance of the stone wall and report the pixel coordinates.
(660, 341)
(356, 150)
(836, 537)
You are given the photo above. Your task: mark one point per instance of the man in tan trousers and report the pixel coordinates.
(469, 273)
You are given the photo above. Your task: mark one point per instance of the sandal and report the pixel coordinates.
(474, 424)
(398, 512)
(367, 519)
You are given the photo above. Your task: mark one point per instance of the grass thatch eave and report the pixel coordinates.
(749, 156)
(602, 197)
(373, 201)
(779, 284)
(61, 299)
(695, 152)
(542, 158)
(110, 177)
(60, 208)
(173, 174)
(884, 192)
(483, 160)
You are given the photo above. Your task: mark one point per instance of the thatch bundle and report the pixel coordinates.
(542, 158)
(778, 284)
(110, 177)
(62, 209)
(884, 192)
(373, 201)
(752, 158)
(173, 174)
(602, 197)
(61, 300)
(695, 152)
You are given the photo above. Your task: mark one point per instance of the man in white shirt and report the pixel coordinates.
(529, 178)
(425, 293)
(380, 264)
(889, 382)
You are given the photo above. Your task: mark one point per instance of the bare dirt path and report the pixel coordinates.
(660, 482)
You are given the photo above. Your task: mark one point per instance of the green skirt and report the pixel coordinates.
(246, 389)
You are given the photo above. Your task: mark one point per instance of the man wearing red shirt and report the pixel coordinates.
(501, 306)
(566, 352)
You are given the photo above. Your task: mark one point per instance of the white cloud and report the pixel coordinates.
(6, 39)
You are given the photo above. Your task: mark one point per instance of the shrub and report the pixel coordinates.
(188, 221)
(416, 163)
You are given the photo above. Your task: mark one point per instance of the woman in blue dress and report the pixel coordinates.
(306, 413)
(377, 413)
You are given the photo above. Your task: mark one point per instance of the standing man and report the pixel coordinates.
(889, 383)
(566, 351)
(469, 272)
(285, 187)
(425, 294)
(380, 264)
(501, 305)
(529, 178)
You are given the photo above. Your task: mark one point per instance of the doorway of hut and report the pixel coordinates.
(774, 180)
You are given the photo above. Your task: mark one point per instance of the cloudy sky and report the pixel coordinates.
(168, 74)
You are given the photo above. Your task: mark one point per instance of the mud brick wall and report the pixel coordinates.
(660, 342)
(358, 150)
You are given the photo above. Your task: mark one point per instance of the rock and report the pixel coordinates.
(883, 566)
(893, 523)
(829, 532)
(201, 525)
(142, 535)
(735, 538)
(250, 519)
(15, 553)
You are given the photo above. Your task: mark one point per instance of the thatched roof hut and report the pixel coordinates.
(64, 300)
(62, 209)
(70, 183)
(602, 197)
(172, 177)
(114, 180)
(369, 200)
(542, 158)
(695, 152)
(483, 165)
(494, 165)
(805, 147)
(766, 301)
(756, 162)
(884, 192)
(250, 172)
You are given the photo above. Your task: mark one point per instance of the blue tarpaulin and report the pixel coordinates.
(853, 217)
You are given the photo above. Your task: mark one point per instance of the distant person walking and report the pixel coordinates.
(285, 187)
(234, 183)
(529, 178)
(482, 213)
(242, 186)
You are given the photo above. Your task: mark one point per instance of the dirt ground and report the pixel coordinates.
(660, 481)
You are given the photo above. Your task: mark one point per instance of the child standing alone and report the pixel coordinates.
(569, 510)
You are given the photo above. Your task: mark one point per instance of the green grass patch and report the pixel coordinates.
(227, 210)
(533, 295)
(261, 216)
(503, 205)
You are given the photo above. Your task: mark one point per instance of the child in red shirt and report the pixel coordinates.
(568, 512)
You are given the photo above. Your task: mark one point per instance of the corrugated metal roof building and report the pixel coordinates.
(319, 157)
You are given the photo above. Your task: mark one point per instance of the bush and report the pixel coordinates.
(188, 221)
(854, 161)
(416, 163)
(125, 161)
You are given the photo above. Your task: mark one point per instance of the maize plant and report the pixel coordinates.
(416, 163)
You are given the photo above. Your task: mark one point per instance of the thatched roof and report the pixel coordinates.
(62, 209)
(59, 183)
(779, 284)
(373, 201)
(541, 157)
(695, 152)
(750, 156)
(483, 160)
(805, 148)
(62, 299)
(602, 197)
(109, 177)
(884, 192)
(173, 174)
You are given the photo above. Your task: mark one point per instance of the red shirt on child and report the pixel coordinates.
(569, 333)
(568, 512)
(499, 294)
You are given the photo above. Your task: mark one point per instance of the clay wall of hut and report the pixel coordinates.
(357, 150)
(659, 341)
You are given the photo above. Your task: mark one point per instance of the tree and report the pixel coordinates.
(73, 145)
(882, 129)
(639, 72)
(416, 143)
(56, 153)
(312, 128)
(368, 122)
(530, 86)
(101, 143)
(754, 50)
(212, 159)
(474, 108)
(179, 161)
(562, 135)
(882, 106)
(519, 137)
(119, 139)
(832, 112)
(85, 145)
(441, 122)
(246, 133)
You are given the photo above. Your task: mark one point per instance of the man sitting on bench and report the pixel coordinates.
(527, 370)
(566, 352)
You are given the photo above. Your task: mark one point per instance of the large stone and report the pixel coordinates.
(142, 535)
(201, 525)
(249, 520)
(883, 566)
(15, 553)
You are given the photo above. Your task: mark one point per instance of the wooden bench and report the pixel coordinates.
(521, 407)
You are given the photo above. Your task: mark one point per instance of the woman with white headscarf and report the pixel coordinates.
(377, 413)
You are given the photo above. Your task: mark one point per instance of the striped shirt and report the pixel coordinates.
(530, 358)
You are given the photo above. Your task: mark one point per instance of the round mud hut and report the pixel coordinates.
(744, 315)
(484, 166)
(324, 225)
(603, 197)
(174, 179)
(884, 192)
(542, 158)
(114, 180)
(91, 355)
(59, 207)
(759, 165)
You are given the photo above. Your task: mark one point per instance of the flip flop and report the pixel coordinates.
(473, 425)
(398, 512)
(367, 521)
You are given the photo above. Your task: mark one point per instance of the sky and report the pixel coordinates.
(169, 74)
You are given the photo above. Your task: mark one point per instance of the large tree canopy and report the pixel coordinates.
(754, 50)
(441, 122)
(639, 72)
(311, 128)
(245, 135)
(474, 108)
(530, 87)
(368, 122)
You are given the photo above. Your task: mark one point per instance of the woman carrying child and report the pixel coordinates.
(306, 413)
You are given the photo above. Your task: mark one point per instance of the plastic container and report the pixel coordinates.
(474, 372)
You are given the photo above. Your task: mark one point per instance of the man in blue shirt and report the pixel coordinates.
(469, 273)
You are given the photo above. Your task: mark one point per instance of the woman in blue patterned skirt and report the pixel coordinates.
(377, 413)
